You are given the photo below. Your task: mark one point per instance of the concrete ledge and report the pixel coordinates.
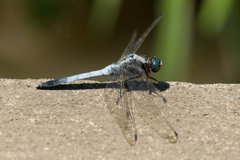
(72, 122)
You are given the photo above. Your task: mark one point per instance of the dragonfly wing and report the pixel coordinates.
(119, 103)
(134, 47)
(146, 96)
(128, 49)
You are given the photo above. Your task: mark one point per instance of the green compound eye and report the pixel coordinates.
(156, 64)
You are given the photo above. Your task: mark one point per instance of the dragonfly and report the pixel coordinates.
(130, 87)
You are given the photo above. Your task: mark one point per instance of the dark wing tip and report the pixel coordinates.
(176, 134)
(132, 143)
(173, 138)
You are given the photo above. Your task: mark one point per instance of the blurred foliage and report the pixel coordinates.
(100, 10)
(213, 15)
(44, 11)
(173, 39)
(198, 41)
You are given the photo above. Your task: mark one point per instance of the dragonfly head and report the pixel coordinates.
(156, 64)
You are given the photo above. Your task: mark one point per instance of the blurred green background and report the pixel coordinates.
(197, 40)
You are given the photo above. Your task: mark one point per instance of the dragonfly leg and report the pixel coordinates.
(122, 94)
(152, 78)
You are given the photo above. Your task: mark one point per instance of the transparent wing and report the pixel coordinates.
(146, 97)
(119, 103)
(132, 48)
(128, 49)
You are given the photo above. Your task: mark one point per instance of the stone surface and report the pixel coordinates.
(72, 122)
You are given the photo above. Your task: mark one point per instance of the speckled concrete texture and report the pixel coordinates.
(72, 122)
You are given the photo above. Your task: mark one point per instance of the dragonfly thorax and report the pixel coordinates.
(156, 64)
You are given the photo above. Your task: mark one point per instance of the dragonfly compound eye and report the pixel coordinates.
(156, 64)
